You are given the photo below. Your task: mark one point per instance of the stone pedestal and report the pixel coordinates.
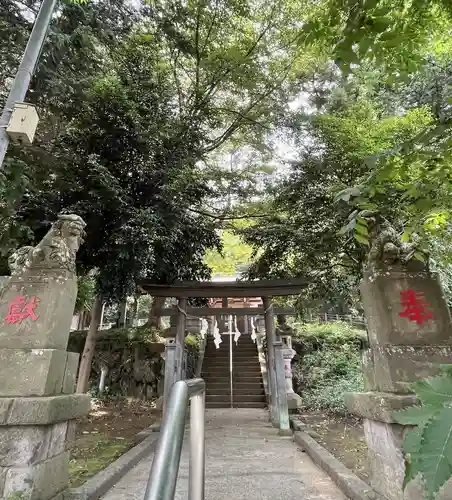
(293, 399)
(410, 334)
(37, 375)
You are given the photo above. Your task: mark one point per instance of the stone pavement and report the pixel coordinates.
(245, 459)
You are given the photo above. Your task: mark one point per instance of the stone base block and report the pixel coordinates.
(394, 368)
(386, 464)
(41, 481)
(43, 411)
(378, 405)
(382, 301)
(22, 446)
(31, 372)
(293, 401)
(36, 309)
(70, 372)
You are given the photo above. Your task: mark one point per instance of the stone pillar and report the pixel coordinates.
(409, 330)
(271, 366)
(169, 356)
(285, 333)
(37, 375)
(259, 326)
(180, 338)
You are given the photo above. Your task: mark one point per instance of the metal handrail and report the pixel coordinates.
(165, 466)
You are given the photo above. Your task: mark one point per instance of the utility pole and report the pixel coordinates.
(26, 69)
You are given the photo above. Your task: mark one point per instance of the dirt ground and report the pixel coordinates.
(341, 436)
(105, 434)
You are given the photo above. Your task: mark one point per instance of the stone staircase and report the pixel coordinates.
(247, 387)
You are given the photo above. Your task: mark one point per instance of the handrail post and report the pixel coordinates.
(165, 466)
(197, 448)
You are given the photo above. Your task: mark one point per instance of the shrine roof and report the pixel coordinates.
(217, 289)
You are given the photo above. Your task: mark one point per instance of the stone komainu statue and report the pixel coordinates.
(388, 249)
(57, 250)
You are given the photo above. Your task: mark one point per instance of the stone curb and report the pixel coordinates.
(149, 431)
(350, 484)
(104, 480)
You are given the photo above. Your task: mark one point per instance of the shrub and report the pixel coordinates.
(329, 365)
(312, 335)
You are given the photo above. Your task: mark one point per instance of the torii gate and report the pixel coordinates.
(174, 351)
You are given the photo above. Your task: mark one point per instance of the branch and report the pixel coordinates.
(218, 77)
(209, 31)
(176, 79)
(244, 117)
(231, 217)
(198, 53)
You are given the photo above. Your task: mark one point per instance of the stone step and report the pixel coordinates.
(235, 363)
(238, 377)
(221, 404)
(235, 368)
(226, 391)
(247, 375)
(237, 398)
(254, 382)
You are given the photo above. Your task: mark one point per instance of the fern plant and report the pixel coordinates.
(428, 446)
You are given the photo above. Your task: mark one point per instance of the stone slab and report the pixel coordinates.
(381, 297)
(378, 405)
(5, 405)
(36, 482)
(55, 293)
(22, 446)
(48, 410)
(31, 372)
(245, 458)
(70, 372)
(395, 368)
(293, 401)
(349, 483)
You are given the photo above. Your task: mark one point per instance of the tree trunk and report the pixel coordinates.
(122, 320)
(133, 312)
(155, 314)
(90, 343)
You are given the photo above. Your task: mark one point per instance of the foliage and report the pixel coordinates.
(233, 255)
(86, 290)
(192, 342)
(428, 447)
(205, 74)
(329, 365)
(393, 34)
(301, 236)
(316, 336)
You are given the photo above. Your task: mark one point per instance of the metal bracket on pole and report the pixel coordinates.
(27, 66)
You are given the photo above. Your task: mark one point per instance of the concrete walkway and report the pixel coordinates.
(245, 459)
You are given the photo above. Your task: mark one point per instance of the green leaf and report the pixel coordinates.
(435, 455)
(362, 230)
(435, 390)
(419, 256)
(361, 239)
(414, 415)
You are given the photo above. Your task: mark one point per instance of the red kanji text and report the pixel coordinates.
(20, 308)
(416, 308)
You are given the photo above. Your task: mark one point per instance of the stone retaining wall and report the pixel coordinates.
(135, 367)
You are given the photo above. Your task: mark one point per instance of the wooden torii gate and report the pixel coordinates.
(174, 351)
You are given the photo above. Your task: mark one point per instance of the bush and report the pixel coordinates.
(329, 365)
(312, 335)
